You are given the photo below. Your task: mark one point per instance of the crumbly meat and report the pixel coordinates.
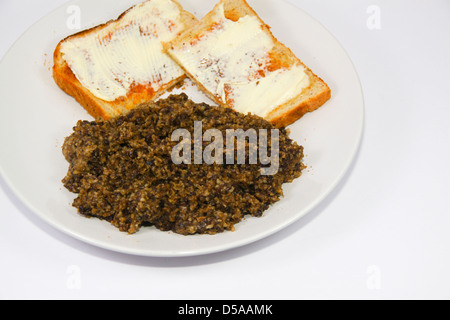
(122, 171)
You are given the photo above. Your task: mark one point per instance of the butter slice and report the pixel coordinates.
(232, 62)
(113, 59)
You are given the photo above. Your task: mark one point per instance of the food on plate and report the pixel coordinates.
(181, 166)
(123, 170)
(233, 57)
(113, 67)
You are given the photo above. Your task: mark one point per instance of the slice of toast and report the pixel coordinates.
(233, 57)
(113, 67)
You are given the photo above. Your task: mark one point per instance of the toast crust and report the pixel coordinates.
(99, 108)
(281, 57)
(297, 111)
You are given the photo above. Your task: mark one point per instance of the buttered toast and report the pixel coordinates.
(233, 57)
(112, 68)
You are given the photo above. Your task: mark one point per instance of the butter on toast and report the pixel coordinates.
(234, 58)
(113, 67)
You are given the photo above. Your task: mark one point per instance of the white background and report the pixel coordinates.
(384, 233)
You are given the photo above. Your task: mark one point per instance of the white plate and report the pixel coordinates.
(37, 116)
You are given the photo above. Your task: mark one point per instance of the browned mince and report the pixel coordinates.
(122, 171)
